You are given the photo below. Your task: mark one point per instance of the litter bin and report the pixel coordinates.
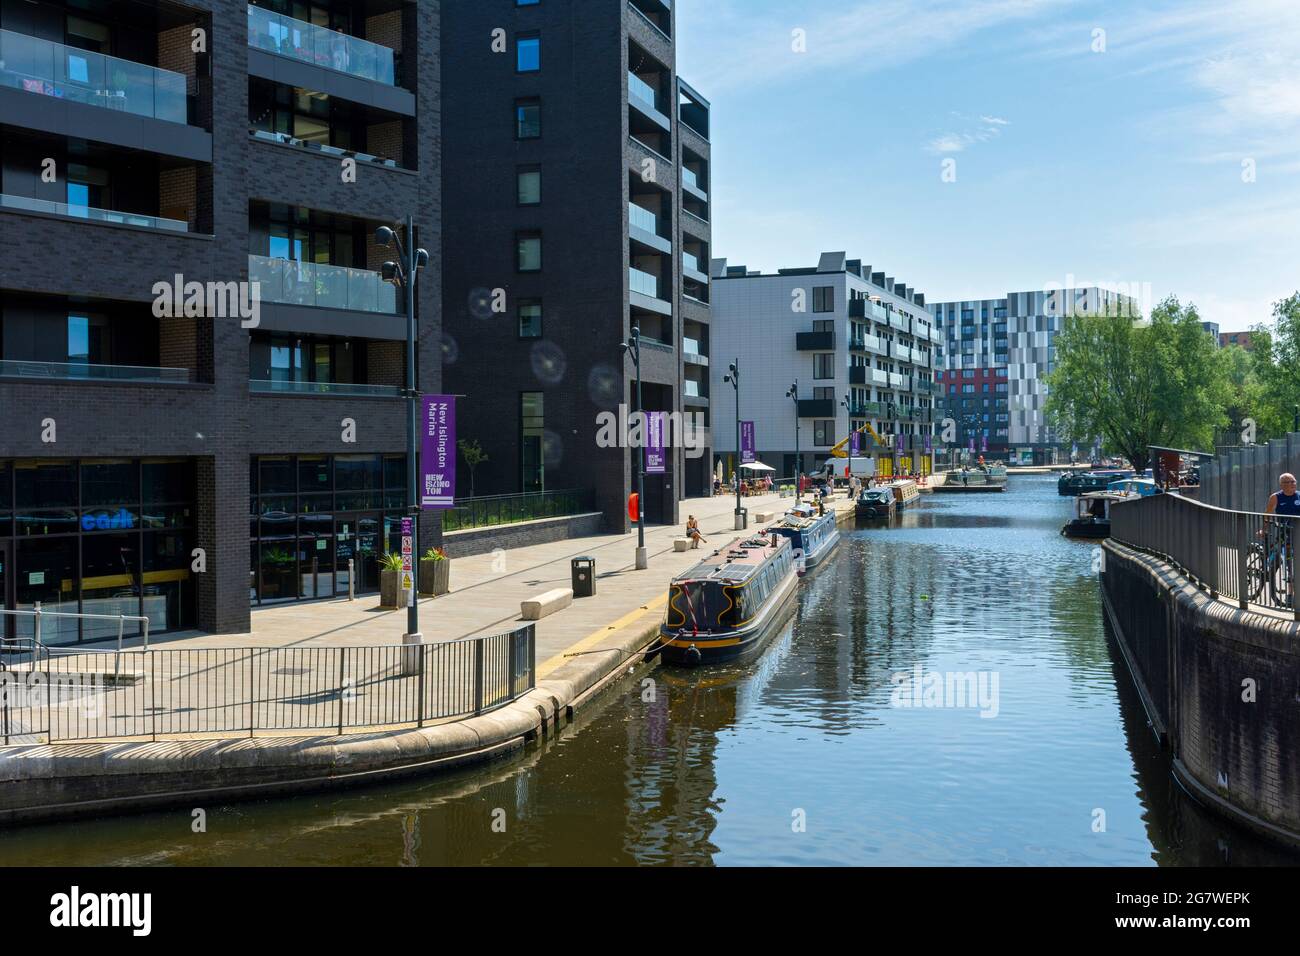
(584, 577)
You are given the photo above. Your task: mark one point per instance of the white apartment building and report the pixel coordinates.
(861, 346)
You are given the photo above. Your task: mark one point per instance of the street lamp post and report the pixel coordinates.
(404, 273)
(733, 376)
(633, 346)
(793, 393)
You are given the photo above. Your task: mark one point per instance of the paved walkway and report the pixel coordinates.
(486, 591)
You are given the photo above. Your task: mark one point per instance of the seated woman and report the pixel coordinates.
(693, 531)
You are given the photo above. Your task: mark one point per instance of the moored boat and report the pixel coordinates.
(906, 491)
(812, 536)
(983, 478)
(728, 603)
(875, 503)
(1084, 482)
(1092, 515)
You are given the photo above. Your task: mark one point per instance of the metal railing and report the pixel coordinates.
(38, 614)
(1242, 556)
(91, 371)
(293, 282)
(49, 695)
(310, 43)
(28, 204)
(82, 76)
(506, 509)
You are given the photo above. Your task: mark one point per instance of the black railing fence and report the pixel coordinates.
(1242, 556)
(505, 509)
(51, 695)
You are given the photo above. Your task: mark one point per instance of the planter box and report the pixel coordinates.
(391, 594)
(435, 577)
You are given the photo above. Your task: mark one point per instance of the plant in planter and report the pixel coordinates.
(390, 581)
(435, 572)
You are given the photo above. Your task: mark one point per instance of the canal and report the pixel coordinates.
(803, 755)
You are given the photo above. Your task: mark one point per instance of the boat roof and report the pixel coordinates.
(800, 522)
(736, 562)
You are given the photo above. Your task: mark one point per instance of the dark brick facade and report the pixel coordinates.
(216, 420)
(587, 161)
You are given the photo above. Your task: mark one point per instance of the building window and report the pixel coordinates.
(824, 431)
(528, 253)
(824, 298)
(968, 315)
(824, 393)
(528, 54)
(528, 118)
(528, 181)
(531, 423)
(824, 365)
(527, 3)
(530, 319)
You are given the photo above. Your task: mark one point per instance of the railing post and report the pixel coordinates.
(343, 656)
(514, 660)
(419, 707)
(252, 693)
(37, 630)
(478, 675)
(532, 656)
(1241, 537)
(153, 700)
(352, 580)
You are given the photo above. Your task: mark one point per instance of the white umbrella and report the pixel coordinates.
(757, 466)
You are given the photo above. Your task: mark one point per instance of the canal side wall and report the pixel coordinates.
(1221, 686)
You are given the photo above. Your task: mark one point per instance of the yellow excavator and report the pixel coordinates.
(840, 450)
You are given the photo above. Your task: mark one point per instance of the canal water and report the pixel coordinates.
(806, 754)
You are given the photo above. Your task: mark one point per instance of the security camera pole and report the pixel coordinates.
(403, 273)
(633, 346)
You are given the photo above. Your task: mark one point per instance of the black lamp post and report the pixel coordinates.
(793, 393)
(633, 347)
(733, 377)
(404, 273)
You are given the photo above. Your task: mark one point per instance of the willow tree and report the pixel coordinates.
(1135, 383)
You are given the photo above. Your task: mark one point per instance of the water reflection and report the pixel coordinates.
(717, 766)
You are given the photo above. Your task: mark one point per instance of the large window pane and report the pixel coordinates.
(6, 486)
(110, 582)
(110, 483)
(316, 567)
(45, 484)
(276, 476)
(278, 568)
(168, 583)
(314, 474)
(168, 480)
(47, 572)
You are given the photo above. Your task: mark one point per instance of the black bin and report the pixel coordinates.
(584, 577)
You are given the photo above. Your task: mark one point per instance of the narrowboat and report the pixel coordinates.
(874, 503)
(906, 491)
(1091, 515)
(1085, 482)
(812, 536)
(728, 603)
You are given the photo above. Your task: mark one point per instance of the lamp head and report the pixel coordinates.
(421, 258)
(384, 236)
(389, 271)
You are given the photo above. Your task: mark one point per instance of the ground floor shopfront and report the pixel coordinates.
(121, 536)
(97, 536)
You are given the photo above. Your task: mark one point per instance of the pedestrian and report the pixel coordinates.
(693, 532)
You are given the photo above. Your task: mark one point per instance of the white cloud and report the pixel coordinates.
(958, 141)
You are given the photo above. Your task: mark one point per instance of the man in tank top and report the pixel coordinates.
(1286, 501)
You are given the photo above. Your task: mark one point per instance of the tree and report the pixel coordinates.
(1138, 383)
(1276, 358)
(474, 456)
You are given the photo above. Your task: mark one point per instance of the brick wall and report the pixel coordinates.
(385, 140)
(386, 363)
(177, 195)
(178, 344)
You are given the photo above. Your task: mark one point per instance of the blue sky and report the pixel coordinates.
(1121, 164)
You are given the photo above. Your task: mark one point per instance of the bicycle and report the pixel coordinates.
(1268, 563)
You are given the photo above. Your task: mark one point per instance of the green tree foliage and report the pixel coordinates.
(1276, 359)
(1139, 383)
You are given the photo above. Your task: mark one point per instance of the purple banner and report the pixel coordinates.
(438, 452)
(747, 455)
(898, 441)
(656, 462)
(853, 445)
(984, 442)
(928, 446)
(971, 443)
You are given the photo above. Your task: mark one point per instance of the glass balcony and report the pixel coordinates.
(692, 261)
(26, 204)
(309, 43)
(643, 218)
(691, 179)
(86, 371)
(643, 282)
(692, 388)
(353, 389)
(292, 282)
(288, 140)
(690, 346)
(639, 89)
(52, 69)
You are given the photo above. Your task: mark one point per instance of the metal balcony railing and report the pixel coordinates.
(291, 282)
